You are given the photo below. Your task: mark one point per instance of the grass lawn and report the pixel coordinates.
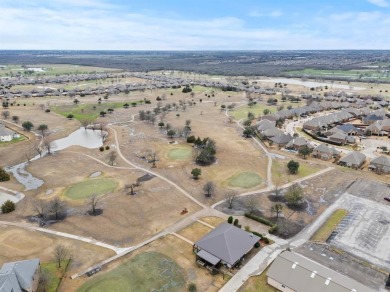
(366, 73)
(245, 180)
(148, 271)
(179, 153)
(87, 188)
(54, 274)
(242, 111)
(257, 284)
(280, 173)
(86, 111)
(326, 229)
(21, 138)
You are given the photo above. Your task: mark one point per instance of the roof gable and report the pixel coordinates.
(227, 242)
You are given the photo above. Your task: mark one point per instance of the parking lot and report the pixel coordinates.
(365, 231)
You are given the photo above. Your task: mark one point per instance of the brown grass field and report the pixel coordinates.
(19, 244)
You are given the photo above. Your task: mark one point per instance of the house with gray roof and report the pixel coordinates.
(354, 159)
(380, 164)
(374, 129)
(325, 152)
(225, 245)
(281, 140)
(20, 276)
(298, 143)
(6, 134)
(293, 272)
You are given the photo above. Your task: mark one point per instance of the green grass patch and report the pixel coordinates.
(86, 111)
(242, 111)
(53, 274)
(179, 153)
(280, 174)
(356, 74)
(245, 180)
(21, 138)
(326, 229)
(87, 188)
(149, 271)
(257, 284)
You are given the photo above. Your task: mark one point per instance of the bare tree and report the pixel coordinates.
(37, 147)
(43, 280)
(85, 123)
(277, 208)
(5, 114)
(47, 144)
(93, 201)
(112, 157)
(152, 157)
(60, 253)
(57, 207)
(130, 189)
(209, 188)
(230, 197)
(29, 153)
(42, 106)
(251, 204)
(40, 207)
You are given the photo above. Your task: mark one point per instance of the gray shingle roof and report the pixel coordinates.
(302, 274)
(227, 242)
(354, 158)
(18, 275)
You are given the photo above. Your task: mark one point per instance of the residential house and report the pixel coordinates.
(374, 129)
(339, 138)
(349, 129)
(385, 125)
(373, 118)
(22, 276)
(298, 143)
(380, 164)
(281, 140)
(292, 272)
(325, 152)
(225, 245)
(6, 134)
(265, 125)
(354, 159)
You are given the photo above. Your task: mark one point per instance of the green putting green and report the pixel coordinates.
(245, 180)
(179, 153)
(87, 188)
(149, 271)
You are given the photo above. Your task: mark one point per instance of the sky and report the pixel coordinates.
(194, 25)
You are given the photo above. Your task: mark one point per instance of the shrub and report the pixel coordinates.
(257, 234)
(47, 110)
(257, 245)
(107, 147)
(8, 207)
(192, 287)
(4, 176)
(235, 222)
(191, 139)
(266, 240)
(273, 229)
(259, 219)
(101, 148)
(230, 220)
(247, 228)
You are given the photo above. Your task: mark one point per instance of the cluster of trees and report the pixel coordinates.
(187, 89)
(205, 151)
(4, 176)
(55, 209)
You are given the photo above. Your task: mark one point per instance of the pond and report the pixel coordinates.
(86, 138)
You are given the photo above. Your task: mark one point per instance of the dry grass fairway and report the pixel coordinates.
(195, 231)
(19, 244)
(213, 221)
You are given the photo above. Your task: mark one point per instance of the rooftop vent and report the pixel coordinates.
(294, 265)
(328, 281)
(313, 274)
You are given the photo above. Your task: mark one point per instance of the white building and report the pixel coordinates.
(6, 134)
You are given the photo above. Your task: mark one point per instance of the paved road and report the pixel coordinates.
(265, 256)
